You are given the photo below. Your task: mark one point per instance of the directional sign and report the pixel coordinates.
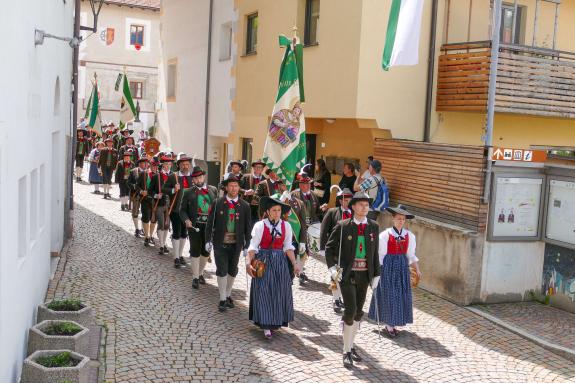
(522, 155)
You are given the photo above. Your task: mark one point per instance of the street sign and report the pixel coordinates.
(519, 155)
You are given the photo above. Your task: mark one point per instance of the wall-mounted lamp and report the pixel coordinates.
(39, 37)
(330, 120)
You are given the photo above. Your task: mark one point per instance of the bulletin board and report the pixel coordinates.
(560, 223)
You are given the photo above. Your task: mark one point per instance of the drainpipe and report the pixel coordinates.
(430, 72)
(208, 75)
(491, 96)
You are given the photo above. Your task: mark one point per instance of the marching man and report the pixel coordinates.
(194, 212)
(161, 201)
(138, 194)
(228, 229)
(351, 253)
(249, 186)
(106, 165)
(332, 217)
(125, 165)
(82, 148)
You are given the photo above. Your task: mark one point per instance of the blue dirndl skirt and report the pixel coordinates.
(393, 293)
(94, 177)
(271, 299)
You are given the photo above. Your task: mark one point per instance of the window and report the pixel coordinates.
(247, 145)
(507, 16)
(33, 204)
(137, 89)
(136, 35)
(311, 21)
(252, 34)
(22, 217)
(172, 79)
(226, 41)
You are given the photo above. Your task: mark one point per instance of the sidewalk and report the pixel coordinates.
(549, 327)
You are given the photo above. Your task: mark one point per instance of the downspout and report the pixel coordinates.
(72, 146)
(208, 75)
(430, 72)
(491, 97)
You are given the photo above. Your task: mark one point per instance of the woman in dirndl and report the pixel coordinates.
(94, 176)
(391, 303)
(271, 300)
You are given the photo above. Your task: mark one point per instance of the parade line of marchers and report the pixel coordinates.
(255, 214)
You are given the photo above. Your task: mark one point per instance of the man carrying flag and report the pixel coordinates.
(128, 110)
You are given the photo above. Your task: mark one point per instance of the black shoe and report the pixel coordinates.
(146, 242)
(195, 284)
(161, 250)
(301, 279)
(222, 306)
(230, 303)
(121, 207)
(166, 251)
(105, 196)
(336, 307)
(78, 179)
(141, 232)
(304, 277)
(355, 356)
(347, 360)
(151, 241)
(202, 280)
(183, 262)
(177, 263)
(137, 234)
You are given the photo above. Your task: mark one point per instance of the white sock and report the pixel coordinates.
(78, 171)
(163, 234)
(176, 246)
(96, 187)
(181, 248)
(230, 286)
(152, 229)
(336, 293)
(136, 223)
(222, 287)
(195, 267)
(203, 261)
(347, 337)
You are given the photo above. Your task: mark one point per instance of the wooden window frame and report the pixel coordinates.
(143, 27)
(134, 95)
(251, 48)
(307, 24)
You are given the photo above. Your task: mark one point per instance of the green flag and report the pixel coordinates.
(285, 148)
(128, 108)
(94, 106)
(89, 106)
(293, 220)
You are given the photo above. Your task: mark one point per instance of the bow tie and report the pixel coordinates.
(204, 191)
(400, 235)
(346, 214)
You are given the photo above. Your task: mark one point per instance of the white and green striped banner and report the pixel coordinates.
(403, 30)
(128, 108)
(94, 109)
(285, 148)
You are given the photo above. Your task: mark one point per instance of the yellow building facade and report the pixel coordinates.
(350, 100)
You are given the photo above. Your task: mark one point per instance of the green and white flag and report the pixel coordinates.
(285, 148)
(127, 108)
(403, 30)
(94, 109)
(89, 106)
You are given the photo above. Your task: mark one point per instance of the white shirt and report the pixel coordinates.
(180, 174)
(364, 220)
(384, 238)
(232, 200)
(258, 232)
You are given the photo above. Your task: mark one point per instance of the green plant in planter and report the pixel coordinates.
(65, 305)
(63, 359)
(62, 329)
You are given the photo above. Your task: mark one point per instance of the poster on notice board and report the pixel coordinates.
(561, 211)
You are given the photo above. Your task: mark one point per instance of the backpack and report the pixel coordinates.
(381, 201)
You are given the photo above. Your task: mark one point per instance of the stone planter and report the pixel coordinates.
(36, 373)
(83, 316)
(38, 340)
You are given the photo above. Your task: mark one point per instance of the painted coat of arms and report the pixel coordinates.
(285, 125)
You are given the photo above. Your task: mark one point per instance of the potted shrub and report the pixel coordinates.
(55, 366)
(68, 310)
(58, 335)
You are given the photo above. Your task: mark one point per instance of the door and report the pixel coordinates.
(310, 143)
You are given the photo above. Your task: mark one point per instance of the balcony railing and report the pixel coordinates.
(532, 81)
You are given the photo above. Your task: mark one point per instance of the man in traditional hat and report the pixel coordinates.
(129, 146)
(137, 194)
(229, 229)
(249, 186)
(174, 187)
(234, 169)
(161, 201)
(121, 136)
(82, 148)
(194, 211)
(270, 185)
(106, 164)
(331, 218)
(351, 253)
(146, 201)
(313, 210)
(125, 165)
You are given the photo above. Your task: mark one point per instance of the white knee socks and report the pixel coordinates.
(195, 262)
(230, 286)
(203, 261)
(136, 223)
(162, 235)
(176, 247)
(222, 287)
(181, 247)
(336, 293)
(348, 335)
(96, 187)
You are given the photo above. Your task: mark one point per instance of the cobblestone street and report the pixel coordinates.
(161, 330)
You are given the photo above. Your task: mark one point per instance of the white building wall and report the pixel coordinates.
(35, 113)
(184, 37)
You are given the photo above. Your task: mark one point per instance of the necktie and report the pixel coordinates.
(274, 231)
(346, 214)
(185, 182)
(361, 228)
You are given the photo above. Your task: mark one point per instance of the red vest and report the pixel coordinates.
(278, 242)
(395, 247)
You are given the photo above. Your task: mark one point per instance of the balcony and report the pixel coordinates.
(530, 81)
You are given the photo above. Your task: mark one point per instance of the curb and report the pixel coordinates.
(564, 352)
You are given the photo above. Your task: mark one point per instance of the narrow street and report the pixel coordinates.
(160, 330)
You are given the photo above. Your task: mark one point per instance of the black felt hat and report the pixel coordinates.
(360, 196)
(269, 202)
(400, 209)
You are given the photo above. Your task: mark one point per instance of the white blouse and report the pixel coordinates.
(258, 232)
(384, 238)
